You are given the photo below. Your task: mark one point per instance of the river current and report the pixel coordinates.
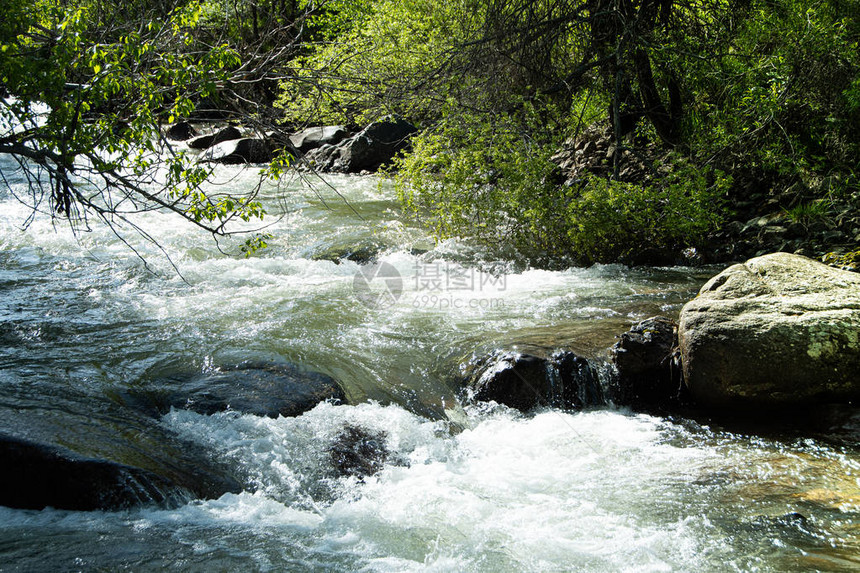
(468, 487)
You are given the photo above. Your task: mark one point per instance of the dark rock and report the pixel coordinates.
(207, 141)
(577, 381)
(777, 331)
(392, 131)
(314, 137)
(525, 381)
(374, 146)
(181, 131)
(646, 359)
(239, 151)
(87, 452)
(262, 389)
(35, 476)
(359, 452)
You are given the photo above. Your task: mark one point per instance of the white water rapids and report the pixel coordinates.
(601, 490)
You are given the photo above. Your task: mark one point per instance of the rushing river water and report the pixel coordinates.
(468, 488)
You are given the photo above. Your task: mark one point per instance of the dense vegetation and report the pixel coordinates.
(592, 130)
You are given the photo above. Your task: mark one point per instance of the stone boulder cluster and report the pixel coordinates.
(330, 148)
(777, 334)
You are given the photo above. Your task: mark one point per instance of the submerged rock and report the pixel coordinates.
(359, 452)
(262, 389)
(525, 381)
(35, 476)
(646, 359)
(777, 331)
(80, 452)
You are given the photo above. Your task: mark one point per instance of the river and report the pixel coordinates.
(468, 487)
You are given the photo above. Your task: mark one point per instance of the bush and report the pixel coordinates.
(495, 183)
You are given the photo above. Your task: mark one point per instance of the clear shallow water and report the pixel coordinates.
(602, 490)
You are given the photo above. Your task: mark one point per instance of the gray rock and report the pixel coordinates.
(207, 141)
(374, 146)
(314, 137)
(239, 151)
(262, 389)
(779, 330)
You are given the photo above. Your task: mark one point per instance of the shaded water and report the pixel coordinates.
(602, 490)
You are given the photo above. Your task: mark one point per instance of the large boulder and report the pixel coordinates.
(35, 476)
(206, 141)
(777, 331)
(84, 452)
(181, 131)
(372, 147)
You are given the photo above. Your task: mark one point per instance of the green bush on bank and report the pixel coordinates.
(494, 182)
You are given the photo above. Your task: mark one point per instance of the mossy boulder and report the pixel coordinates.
(777, 331)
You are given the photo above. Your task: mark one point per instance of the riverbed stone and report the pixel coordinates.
(646, 359)
(527, 381)
(260, 388)
(35, 476)
(206, 141)
(777, 331)
(76, 451)
(239, 151)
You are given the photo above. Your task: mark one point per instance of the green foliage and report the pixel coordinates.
(496, 183)
(809, 212)
(369, 69)
(108, 88)
(612, 220)
(782, 96)
(476, 177)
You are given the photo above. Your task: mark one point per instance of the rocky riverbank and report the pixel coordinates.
(775, 337)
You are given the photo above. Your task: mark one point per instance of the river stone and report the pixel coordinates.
(372, 147)
(239, 151)
(359, 452)
(35, 476)
(181, 131)
(645, 358)
(314, 137)
(206, 141)
(262, 389)
(75, 451)
(526, 381)
(779, 330)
